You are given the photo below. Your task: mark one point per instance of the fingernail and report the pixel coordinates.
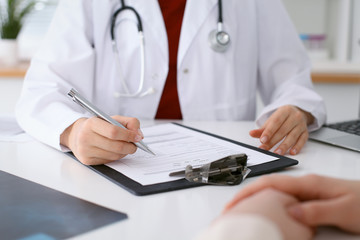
(294, 151)
(140, 133)
(263, 147)
(264, 139)
(138, 138)
(278, 151)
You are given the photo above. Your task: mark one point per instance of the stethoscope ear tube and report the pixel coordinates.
(117, 12)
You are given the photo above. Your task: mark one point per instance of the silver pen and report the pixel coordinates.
(76, 97)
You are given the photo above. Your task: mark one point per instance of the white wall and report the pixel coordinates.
(342, 100)
(333, 18)
(309, 16)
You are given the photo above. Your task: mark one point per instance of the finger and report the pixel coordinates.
(116, 147)
(281, 197)
(290, 140)
(292, 128)
(323, 212)
(300, 143)
(130, 123)
(264, 146)
(300, 187)
(94, 161)
(106, 155)
(95, 156)
(99, 161)
(264, 182)
(273, 124)
(111, 131)
(288, 126)
(256, 133)
(274, 198)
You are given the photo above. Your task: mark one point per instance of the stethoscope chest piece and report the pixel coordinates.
(219, 41)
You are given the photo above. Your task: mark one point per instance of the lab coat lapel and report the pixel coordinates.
(152, 19)
(196, 12)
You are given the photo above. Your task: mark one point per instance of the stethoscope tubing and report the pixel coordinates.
(214, 42)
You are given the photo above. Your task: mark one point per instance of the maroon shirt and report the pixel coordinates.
(173, 12)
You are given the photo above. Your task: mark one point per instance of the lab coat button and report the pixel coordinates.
(186, 71)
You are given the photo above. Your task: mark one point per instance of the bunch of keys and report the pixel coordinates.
(230, 170)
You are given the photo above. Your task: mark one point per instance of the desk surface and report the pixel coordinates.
(173, 215)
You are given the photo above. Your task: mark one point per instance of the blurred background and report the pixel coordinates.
(329, 29)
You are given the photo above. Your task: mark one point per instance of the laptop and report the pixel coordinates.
(341, 134)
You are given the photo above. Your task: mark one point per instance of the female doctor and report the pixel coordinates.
(146, 59)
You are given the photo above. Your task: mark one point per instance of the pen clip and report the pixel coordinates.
(74, 96)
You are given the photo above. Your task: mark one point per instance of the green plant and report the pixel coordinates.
(12, 17)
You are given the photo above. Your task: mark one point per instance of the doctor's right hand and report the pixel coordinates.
(95, 141)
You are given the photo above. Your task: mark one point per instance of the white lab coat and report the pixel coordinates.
(265, 54)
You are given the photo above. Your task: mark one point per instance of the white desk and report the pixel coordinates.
(173, 215)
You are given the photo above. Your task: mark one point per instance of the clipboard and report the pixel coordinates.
(140, 190)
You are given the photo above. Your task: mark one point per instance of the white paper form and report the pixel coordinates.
(175, 148)
(10, 131)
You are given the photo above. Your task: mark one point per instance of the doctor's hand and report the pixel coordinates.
(324, 200)
(288, 123)
(272, 205)
(95, 141)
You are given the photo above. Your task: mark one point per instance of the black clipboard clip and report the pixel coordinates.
(230, 170)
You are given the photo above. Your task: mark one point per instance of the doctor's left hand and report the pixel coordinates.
(95, 141)
(288, 123)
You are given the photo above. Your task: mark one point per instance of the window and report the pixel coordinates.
(35, 27)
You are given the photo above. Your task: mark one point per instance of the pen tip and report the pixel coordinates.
(151, 152)
(145, 148)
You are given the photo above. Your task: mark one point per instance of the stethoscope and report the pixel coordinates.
(218, 39)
